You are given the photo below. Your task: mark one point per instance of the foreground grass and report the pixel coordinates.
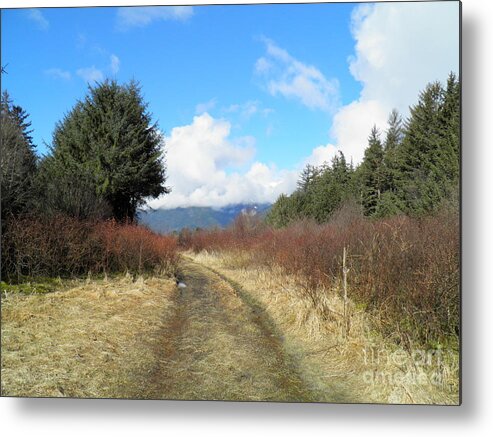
(364, 365)
(235, 332)
(87, 341)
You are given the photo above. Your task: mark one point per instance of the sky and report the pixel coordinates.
(245, 96)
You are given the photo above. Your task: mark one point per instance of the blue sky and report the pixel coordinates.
(244, 95)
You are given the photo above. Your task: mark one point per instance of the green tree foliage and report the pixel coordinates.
(332, 187)
(109, 146)
(17, 158)
(308, 175)
(372, 173)
(282, 212)
(69, 189)
(428, 161)
(392, 143)
(321, 190)
(415, 170)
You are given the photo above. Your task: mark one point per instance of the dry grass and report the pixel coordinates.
(404, 270)
(87, 341)
(363, 365)
(216, 346)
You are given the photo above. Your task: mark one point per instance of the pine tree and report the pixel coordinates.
(389, 203)
(331, 187)
(110, 136)
(448, 156)
(395, 132)
(281, 213)
(17, 158)
(428, 161)
(307, 177)
(372, 174)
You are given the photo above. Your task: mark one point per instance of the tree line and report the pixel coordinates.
(413, 168)
(105, 160)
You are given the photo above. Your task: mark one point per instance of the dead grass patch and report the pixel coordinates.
(87, 341)
(364, 365)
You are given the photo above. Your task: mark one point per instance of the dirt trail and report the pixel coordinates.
(218, 344)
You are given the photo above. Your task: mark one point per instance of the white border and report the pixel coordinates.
(129, 418)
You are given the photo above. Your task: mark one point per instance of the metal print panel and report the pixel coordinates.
(232, 202)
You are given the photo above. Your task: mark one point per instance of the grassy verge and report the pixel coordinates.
(35, 286)
(364, 362)
(85, 341)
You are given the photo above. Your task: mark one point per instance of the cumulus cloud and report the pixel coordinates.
(37, 17)
(400, 47)
(352, 125)
(114, 64)
(90, 74)
(128, 17)
(286, 76)
(321, 155)
(208, 168)
(58, 73)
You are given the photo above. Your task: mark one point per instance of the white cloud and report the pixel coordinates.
(37, 16)
(58, 73)
(206, 106)
(248, 109)
(285, 75)
(90, 74)
(114, 64)
(352, 125)
(262, 65)
(321, 155)
(400, 47)
(128, 17)
(204, 168)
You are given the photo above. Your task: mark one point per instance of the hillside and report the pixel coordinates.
(169, 220)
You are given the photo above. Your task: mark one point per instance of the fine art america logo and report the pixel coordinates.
(400, 367)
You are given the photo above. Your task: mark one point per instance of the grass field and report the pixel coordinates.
(234, 333)
(87, 341)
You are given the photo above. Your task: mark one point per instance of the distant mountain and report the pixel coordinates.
(169, 220)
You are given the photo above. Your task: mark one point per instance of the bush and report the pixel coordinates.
(67, 247)
(136, 248)
(403, 270)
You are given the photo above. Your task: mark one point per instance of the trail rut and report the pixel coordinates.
(217, 345)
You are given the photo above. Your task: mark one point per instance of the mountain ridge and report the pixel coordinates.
(173, 220)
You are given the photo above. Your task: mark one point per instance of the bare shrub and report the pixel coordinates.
(66, 247)
(404, 271)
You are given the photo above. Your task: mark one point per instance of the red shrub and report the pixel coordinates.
(135, 248)
(404, 270)
(64, 246)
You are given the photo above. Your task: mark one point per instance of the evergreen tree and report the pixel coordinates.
(68, 189)
(389, 203)
(428, 161)
(393, 140)
(395, 132)
(321, 190)
(307, 177)
(17, 158)
(109, 137)
(331, 188)
(448, 155)
(281, 213)
(372, 173)
(414, 171)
